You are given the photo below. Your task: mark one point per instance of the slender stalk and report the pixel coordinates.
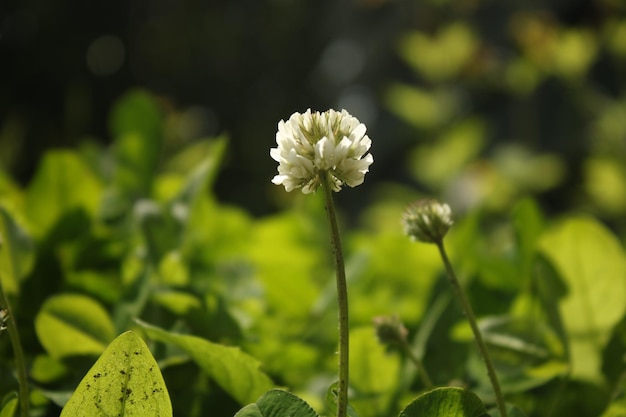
(342, 300)
(471, 318)
(428, 383)
(20, 363)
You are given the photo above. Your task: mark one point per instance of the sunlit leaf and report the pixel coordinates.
(442, 56)
(573, 52)
(136, 124)
(205, 158)
(178, 302)
(446, 402)
(236, 372)
(45, 369)
(397, 277)
(437, 162)
(419, 107)
(62, 184)
(605, 182)
(9, 405)
(73, 324)
(591, 263)
(373, 370)
(285, 261)
(125, 381)
(17, 252)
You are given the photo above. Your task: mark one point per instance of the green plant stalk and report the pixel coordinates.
(471, 318)
(428, 383)
(342, 301)
(20, 363)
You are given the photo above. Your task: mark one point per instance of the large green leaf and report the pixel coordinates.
(446, 402)
(73, 324)
(125, 381)
(592, 265)
(236, 372)
(277, 403)
(62, 184)
(16, 252)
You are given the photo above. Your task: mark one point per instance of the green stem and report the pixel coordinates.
(342, 300)
(428, 383)
(469, 314)
(20, 363)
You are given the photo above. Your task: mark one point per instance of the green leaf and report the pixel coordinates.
(278, 403)
(285, 260)
(72, 324)
(16, 253)
(374, 374)
(446, 402)
(45, 369)
(331, 400)
(136, 124)
(9, 405)
(201, 178)
(440, 56)
(125, 381)
(592, 265)
(529, 225)
(526, 353)
(236, 372)
(62, 184)
(438, 162)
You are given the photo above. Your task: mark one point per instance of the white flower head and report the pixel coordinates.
(427, 220)
(314, 144)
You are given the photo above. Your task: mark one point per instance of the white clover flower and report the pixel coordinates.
(314, 144)
(427, 220)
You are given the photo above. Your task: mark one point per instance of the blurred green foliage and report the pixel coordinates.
(100, 238)
(513, 113)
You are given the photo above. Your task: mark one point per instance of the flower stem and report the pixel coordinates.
(418, 363)
(342, 300)
(471, 318)
(20, 363)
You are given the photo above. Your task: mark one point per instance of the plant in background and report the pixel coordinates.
(328, 150)
(7, 322)
(391, 332)
(428, 221)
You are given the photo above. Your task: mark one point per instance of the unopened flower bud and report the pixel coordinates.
(390, 330)
(427, 220)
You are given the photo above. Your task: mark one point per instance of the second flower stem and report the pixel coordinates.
(342, 301)
(471, 318)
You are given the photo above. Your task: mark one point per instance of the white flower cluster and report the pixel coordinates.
(314, 144)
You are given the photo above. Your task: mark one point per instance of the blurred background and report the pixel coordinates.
(480, 102)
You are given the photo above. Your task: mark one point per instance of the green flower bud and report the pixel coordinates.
(427, 220)
(390, 330)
